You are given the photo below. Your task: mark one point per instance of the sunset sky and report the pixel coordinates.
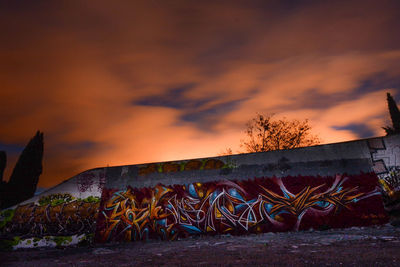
(128, 82)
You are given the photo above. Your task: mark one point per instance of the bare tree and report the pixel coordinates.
(266, 134)
(226, 152)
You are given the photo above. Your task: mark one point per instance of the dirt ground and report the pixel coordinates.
(366, 246)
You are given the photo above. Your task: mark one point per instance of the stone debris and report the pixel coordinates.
(101, 251)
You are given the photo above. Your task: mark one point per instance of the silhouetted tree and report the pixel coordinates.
(394, 115)
(228, 151)
(265, 134)
(3, 184)
(25, 175)
(3, 162)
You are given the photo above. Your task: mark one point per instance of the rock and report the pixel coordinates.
(102, 251)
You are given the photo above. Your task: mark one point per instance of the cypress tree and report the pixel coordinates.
(25, 175)
(3, 161)
(394, 115)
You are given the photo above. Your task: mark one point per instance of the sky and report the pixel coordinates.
(131, 82)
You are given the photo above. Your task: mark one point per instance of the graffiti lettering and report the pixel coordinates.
(259, 205)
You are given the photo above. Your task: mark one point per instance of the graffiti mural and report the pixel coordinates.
(91, 181)
(385, 155)
(195, 164)
(54, 215)
(239, 207)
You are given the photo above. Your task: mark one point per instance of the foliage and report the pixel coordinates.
(394, 115)
(228, 151)
(265, 134)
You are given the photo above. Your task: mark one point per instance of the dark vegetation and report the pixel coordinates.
(394, 116)
(263, 133)
(25, 175)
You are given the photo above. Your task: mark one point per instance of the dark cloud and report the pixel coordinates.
(360, 129)
(376, 82)
(315, 99)
(173, 98)
(11, 148)
(206, 119)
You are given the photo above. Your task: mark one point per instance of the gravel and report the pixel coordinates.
(364, 246)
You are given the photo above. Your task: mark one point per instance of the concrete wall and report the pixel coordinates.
(256, 192)
(63, 215)
(262, 204)
(325, 160)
